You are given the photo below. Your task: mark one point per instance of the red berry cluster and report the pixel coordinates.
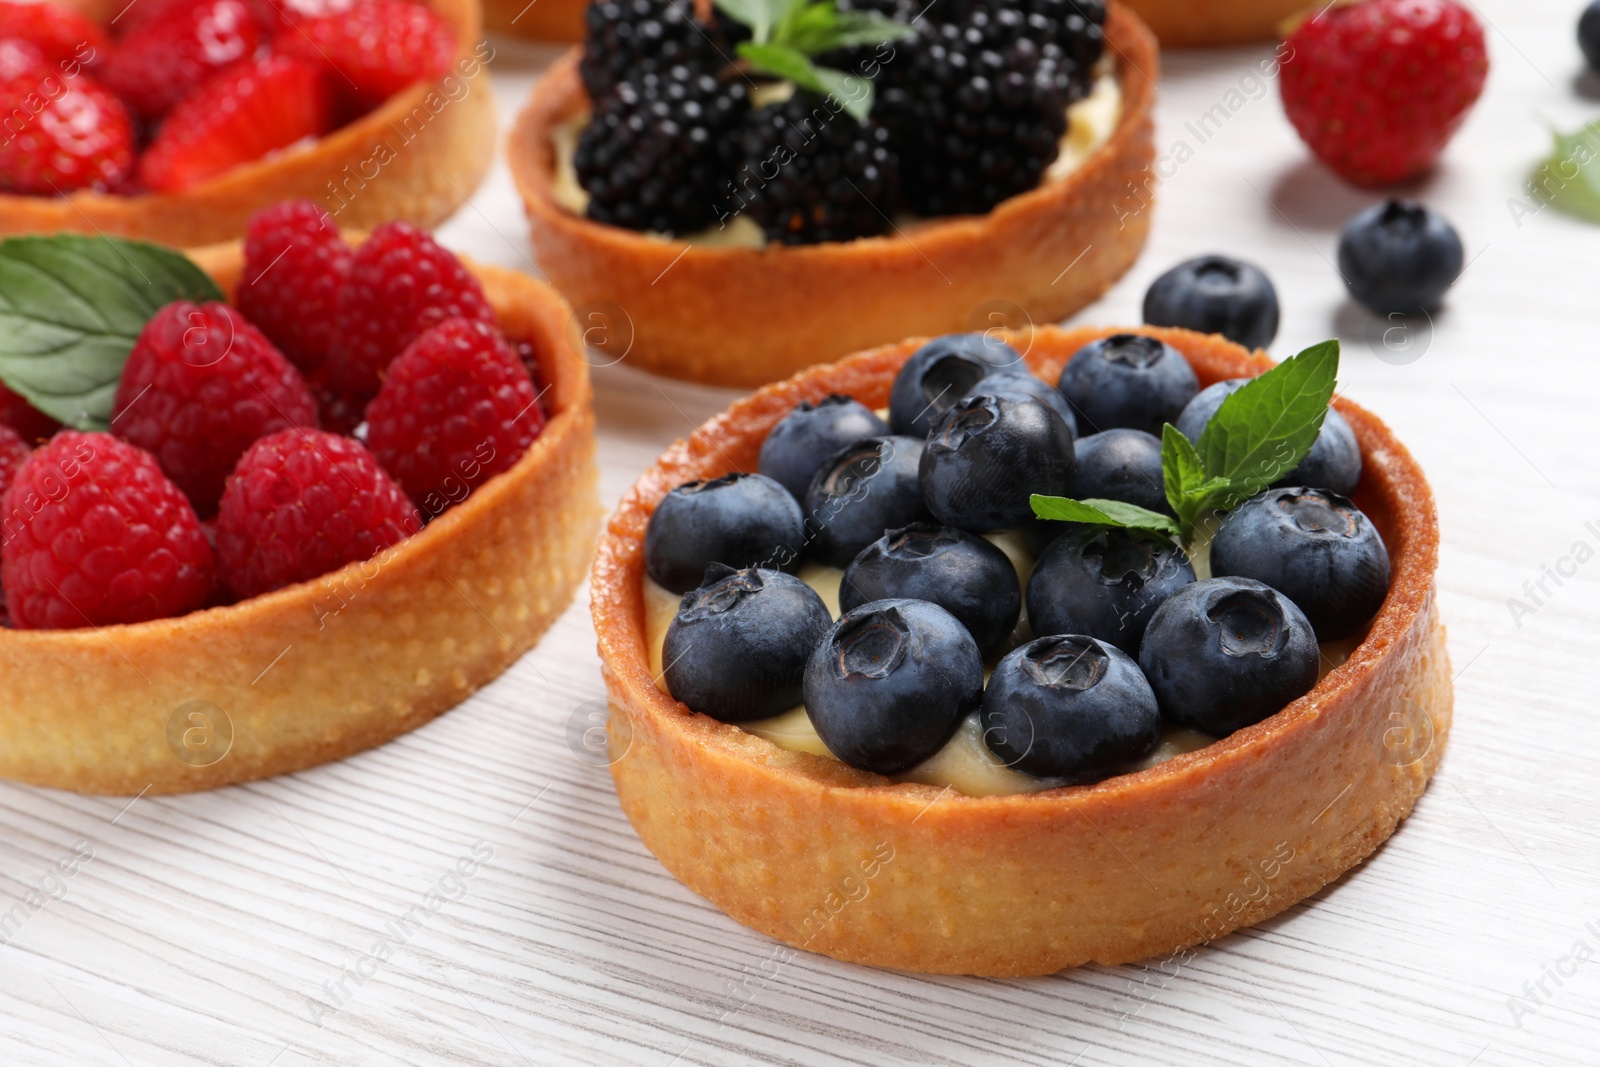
(190, 89)
(231, 421)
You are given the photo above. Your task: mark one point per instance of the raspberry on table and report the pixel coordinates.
(457, 408)
(166, 57)
(200, 386)
(302, 503)
(375, 49)
(294, 263)
(93, 534)
(402, 283)
(82, 138)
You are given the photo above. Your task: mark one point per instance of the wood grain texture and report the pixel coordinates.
(202, 924)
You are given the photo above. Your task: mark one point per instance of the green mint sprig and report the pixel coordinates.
(1569, 179)
(71, 308)
(786, 34)
(1259, 434)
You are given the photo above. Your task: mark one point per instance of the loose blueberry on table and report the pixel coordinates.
(200, 472)
(1399, 257)
(1143, 636)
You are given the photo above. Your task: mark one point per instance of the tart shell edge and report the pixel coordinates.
(321, 670)
(744, 317)
(827, 858)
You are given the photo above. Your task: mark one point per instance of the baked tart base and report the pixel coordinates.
(743, 316)
(541, 20)
(838, 861)
(1186, 23)
(323, 669)
(417, 157)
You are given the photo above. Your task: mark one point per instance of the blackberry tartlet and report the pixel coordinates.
(1146, 765)
(990, 156)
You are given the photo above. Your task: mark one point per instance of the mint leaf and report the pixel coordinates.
(762, 16)
(781, 61)
(1102, 513)
(819, 29)
(1190, 489)
(71, 308)
(1264, 430)
(1569, 180)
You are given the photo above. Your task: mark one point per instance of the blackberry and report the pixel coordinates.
(627, 39)
(985, 105)
(658, 149)
(811, 174)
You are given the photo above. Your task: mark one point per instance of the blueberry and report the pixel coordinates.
(804, 439)
(741, 520)
(961, 572)
(738, 647)
(1227, 652)
(1334, 461)
(891, 682)
(1071, 707)
(861, 491)
(943, 371)
(1589, 34)
(1022, 386)
(1128, 381)
(1122, 465)
(1399, 257)
(988, 454)
(1105, 583)
(1215, 294)
(1314, 547)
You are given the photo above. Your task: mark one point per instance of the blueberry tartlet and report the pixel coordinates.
(1091, 722)
(738, 205)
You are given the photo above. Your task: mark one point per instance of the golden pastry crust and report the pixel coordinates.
(542, 20)
(417, 157)
(741, 316)
(825, 857)
(1189, 23)
(323, 669)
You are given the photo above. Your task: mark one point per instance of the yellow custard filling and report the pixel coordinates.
(965, 763)
(1090, 123)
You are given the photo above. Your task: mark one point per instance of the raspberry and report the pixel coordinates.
(294, 263)
(31, 424)
(237, 117)
(167, 56)
(60, 32)
(375, 49)
(95, 535)
(62, 134)
(402, 282)
(13, 452)
(1377, 89)
(457, 408)
(200, 386)
(21, 59)
(302, 503)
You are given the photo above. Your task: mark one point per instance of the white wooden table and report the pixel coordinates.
(235, 927)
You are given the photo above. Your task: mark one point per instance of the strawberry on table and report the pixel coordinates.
(375, 49)
(1377, 88)
(169, 55)
(237, 117)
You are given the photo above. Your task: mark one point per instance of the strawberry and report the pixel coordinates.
(62, 134)
(170, 54)
(60, 32)
(1377, 88)
(374, 50)
(22, 59)
(237, 117)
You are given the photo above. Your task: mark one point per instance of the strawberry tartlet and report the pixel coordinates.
(176, 120)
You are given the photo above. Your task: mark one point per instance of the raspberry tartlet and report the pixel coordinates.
(180, 119)
(1182, 808)
(233, 585)
(823, 261)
